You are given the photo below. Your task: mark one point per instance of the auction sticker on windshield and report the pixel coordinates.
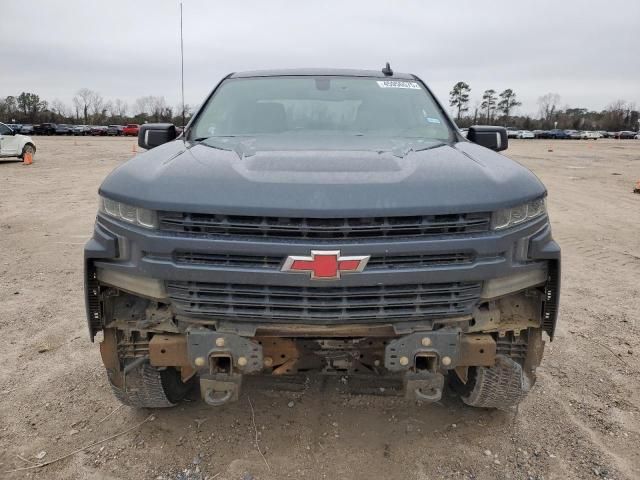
(397, 84)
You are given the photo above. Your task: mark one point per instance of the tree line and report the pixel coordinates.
(499, 108)
(88, 107)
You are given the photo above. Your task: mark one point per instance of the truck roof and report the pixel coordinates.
(345, 72)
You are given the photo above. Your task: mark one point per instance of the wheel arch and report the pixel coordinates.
(26, 144)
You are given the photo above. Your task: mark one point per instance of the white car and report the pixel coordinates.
(525, 134)
(512, 132)
(590, 135)
(13, 144)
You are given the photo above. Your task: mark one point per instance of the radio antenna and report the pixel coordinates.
(182, 73)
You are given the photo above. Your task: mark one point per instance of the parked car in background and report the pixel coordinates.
(525, 134)
(81, 130)
(14, 126)
(64, 129)
(540, 133)
(573, 134)
(603, 134)
(586, 135)
(26, 129)
(512, 132)
(12, 144)
(464, 131)
(625, 135)
(115, 130)
(131, 129)
(98, 130)
(637, 137)
(45, 129)
(546, 134)
(557, 134)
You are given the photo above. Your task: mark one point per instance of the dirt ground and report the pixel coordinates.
(582, 419)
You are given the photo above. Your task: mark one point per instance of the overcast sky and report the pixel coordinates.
(586, 51)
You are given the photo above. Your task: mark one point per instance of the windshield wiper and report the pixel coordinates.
(403, 150)
(200, 139)
(429, 147)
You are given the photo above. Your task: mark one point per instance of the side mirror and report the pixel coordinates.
(152, 135)
(493, 138)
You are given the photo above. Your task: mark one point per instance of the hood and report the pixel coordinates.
(321, 177)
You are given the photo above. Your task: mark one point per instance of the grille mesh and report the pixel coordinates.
(325, 305)
(211, 225)
(383, 262)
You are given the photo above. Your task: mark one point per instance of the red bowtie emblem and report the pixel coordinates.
(325, 265)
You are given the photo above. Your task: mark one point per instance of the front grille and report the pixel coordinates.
(212, 225)
(382, 262)
(326, 305)
(228, 260)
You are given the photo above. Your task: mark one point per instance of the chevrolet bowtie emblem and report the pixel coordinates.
(325, 265)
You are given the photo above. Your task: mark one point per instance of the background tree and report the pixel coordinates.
(83, 97)
(476, 111)
(77, 107)
(489, 103)
(507, 103)
(90, 107)
(59, 110)
(30, 104)
(96, 104)
(459, 98)
(10, 107)
(547, 106)
(120, 108)
(188, 112)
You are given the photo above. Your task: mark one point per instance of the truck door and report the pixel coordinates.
(8, 142)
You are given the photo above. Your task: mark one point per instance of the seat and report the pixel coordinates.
(258, 118)
(379, 116)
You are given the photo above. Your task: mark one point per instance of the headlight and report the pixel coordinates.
(510, 217)
(141, 217)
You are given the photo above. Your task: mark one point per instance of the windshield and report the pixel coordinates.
(322, 105)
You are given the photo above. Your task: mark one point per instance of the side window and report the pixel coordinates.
(4, 130)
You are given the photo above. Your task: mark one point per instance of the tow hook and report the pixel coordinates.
(220, 389)
(423, 386)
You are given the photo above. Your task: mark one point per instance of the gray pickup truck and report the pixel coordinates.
(331, 221)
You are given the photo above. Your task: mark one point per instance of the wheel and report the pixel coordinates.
(506, 383)
(148, 387)
(502, 386)
(28, 148)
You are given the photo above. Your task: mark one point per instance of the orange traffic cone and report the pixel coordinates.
(27, 159)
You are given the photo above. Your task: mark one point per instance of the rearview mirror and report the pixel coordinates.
(493, 138)
(152, 135)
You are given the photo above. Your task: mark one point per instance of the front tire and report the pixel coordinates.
(148, 387)
(502, 386)
(505, 384)
(28, 148)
